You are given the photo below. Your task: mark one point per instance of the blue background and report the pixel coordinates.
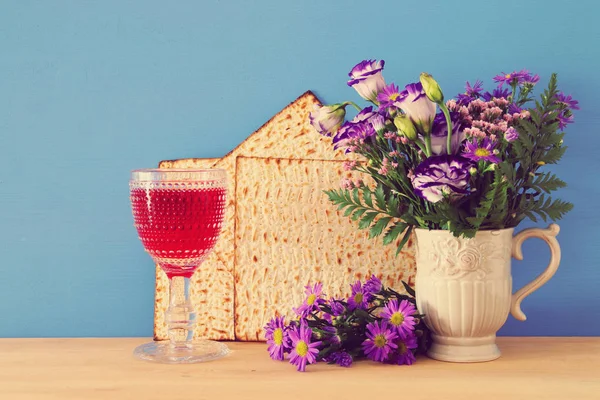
(91, 90)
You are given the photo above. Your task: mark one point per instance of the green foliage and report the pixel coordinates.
(540, 142)
(359, 206)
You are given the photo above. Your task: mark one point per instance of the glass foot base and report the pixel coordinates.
(197, 351)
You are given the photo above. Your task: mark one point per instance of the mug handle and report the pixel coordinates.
(549, 236)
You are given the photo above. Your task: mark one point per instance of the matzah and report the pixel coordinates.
(288, 135)
(289, 234)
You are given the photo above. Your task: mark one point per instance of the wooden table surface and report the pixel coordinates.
(530, 368)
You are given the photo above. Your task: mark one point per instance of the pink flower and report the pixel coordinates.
(452, 105)
(347, 184)
(349, 165)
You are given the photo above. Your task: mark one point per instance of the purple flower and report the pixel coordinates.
(439, 133)
(303, 351)
(497, 93)
(332, 335)
(567, 101)
(510, 79)
(328, 119)
(364, 115)
(404, 354)
(400, 316)
(471, 93)
(341, 358)
(277, 338)
(337, 308)
(514, 109)
(517, 78)
(379, 342)
(360, 128)
(441, 175)
(359, 298)
(481, 151)
(378, 122)
(564, 119)
(350, 134)
(312, 300)
(367, 80)
(373, 285)
(388, 96)
(511, 134)
(414, 102)
(528, 78)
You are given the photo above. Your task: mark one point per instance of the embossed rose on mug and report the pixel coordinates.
(469, 259)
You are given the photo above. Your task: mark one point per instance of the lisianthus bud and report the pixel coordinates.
(405, 127)
(431, 88)
(328, 119)
(472, 170)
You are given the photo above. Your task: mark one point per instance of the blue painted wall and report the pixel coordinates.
(91, 90)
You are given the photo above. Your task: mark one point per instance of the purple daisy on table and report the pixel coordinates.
(337, 308)
(303, 351)
(498, 93)
(388, 96)
(366, 79)
(440, 176)
(400, 316)
(359, 298)
(379, 342)
(567, 101)
(277, 338)
(341, 358)
(373, 285)
(312, 301)
(404, 354)
(511, 134)
(476, 151)
(331, 335)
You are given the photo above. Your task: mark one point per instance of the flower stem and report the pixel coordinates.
(355, 105)
(428, 145)
(425, 150)
(448, 124)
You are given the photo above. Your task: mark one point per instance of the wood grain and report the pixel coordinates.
(530, 368)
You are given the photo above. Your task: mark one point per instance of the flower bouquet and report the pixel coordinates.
(376, 323)
(461, 173)
(475, 164)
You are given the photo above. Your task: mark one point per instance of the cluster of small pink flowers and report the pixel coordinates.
(385, 166)
(486, 118)
(349, 165)
(475, 133)
(349, 184)
(393, 136)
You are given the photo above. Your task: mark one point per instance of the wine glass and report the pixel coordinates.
(178, 214)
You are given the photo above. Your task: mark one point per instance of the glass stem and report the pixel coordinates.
(180, 317)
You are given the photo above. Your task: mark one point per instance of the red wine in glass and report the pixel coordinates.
(178, 226)
(178, 214)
